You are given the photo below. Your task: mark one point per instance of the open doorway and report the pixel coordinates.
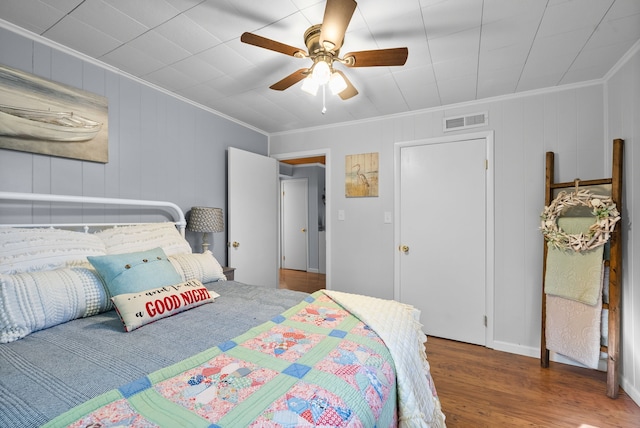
(313, 167)
(295, 251)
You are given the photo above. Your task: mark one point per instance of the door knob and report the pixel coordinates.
(303, 230)
(404, 248)
(235, 244)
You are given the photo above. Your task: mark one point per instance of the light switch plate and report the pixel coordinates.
(387, 217)
(340, 214)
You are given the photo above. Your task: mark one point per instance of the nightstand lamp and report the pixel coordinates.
(205, 220)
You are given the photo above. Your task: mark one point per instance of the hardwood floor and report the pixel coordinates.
(480, 387)
(301, 280)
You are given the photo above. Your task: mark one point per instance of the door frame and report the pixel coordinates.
(283, 248)
(326, 152)
(490, 217)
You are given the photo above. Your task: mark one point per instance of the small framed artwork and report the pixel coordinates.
(361, 175)
(46, 117)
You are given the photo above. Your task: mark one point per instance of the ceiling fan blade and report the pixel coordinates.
(290, 80)
(263, 42)
(337, 15)
(350, 90)
(378, 57)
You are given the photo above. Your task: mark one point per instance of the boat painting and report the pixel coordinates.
(46, 125)
(50, 118)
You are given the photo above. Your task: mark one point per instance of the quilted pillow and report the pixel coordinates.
(32, 301)
(138, 309)
(143, 237)
(28, 250)
(135, 272)
(200, 266)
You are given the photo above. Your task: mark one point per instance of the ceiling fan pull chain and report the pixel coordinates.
(324, 107)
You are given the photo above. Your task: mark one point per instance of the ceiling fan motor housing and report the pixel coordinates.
(312, 41)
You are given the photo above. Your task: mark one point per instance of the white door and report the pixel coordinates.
(442, 229)
(252, 182)
(295, 214)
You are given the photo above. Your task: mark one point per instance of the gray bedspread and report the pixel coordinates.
(51, 371)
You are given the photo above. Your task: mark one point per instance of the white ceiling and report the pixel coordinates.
(459, 50)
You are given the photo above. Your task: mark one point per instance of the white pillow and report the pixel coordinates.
(138, 309)
(144, 237)
(200, 266)
(28, 250)
(32, 301)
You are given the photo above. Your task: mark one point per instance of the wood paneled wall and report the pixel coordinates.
(160, 147)
(623, 121)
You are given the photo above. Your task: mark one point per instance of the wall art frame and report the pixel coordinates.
(51, 118)
(361, 175)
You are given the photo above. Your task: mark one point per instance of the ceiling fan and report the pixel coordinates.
(323, 43)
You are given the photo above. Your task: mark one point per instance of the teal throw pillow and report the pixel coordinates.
(135, 272)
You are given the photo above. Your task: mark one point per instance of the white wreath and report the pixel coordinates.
(602, 207)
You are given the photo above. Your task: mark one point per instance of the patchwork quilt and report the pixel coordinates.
(314, 365)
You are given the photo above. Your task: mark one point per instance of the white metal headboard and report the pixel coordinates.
(176, 211)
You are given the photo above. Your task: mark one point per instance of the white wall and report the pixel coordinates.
(623, 120)
(569, 121)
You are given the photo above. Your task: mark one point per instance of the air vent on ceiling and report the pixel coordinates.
(463, 122)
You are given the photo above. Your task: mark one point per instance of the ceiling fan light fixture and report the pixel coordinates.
(310, 86)
(321, 73)
(337, 83)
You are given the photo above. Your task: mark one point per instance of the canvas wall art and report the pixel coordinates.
(361, 175)
(45, 117)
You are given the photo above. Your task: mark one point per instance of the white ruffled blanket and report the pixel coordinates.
(399, 326)
(574, 329)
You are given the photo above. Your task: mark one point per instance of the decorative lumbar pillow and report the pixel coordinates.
(138, 309)
(135, 272)
(29, 250)
(143, 237)
(200, 266)
(32, 301)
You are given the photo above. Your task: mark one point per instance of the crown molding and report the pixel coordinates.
(622, 61)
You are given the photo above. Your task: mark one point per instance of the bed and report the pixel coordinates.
(122, 325)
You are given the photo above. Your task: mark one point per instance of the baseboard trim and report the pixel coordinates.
(516, 349)
(632, 392)
(530, 351)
